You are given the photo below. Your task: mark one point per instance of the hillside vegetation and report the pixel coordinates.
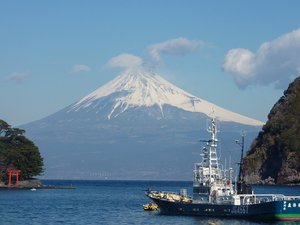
(274, 156)
(17, 152)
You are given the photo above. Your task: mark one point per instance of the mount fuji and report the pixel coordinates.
(135, 89)
(137, 126)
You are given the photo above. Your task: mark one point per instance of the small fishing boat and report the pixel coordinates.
(150, 207)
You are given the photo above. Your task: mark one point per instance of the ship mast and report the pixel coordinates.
(240, 176)
(213, 158)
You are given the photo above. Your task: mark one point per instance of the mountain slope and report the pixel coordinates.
(138, 126)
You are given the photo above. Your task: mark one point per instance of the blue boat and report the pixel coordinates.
(216, 195)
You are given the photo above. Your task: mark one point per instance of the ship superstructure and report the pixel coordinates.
(212, 183)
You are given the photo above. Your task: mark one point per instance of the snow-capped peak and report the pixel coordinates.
(144, 88)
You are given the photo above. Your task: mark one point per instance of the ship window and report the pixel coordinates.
(200, 190)
(209, 210)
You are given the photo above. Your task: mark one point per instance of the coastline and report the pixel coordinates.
(32, 184)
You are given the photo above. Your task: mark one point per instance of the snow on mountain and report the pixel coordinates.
(138, 88)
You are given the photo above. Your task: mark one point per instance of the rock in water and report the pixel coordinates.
(274, 156)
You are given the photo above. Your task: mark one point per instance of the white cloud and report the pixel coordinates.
(126, 61)
(178, 46)
(17, 77)
(275, 62)
(80, 68)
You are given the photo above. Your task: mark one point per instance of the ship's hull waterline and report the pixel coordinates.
(276, 210)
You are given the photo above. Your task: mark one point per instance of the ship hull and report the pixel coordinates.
(276, 210)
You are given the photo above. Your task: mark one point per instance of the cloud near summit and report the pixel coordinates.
(125, 61)
(275, 62)
(177, 46)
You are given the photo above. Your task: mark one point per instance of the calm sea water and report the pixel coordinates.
(102, 202)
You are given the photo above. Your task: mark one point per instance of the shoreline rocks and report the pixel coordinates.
(32, 183)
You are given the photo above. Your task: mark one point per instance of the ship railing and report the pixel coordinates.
(291, 197)
(248, 199)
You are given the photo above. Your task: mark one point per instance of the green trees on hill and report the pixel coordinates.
(17, 152)
(275, 153)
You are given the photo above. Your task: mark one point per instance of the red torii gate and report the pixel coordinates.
(11, 173)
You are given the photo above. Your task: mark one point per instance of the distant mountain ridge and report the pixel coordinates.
(137, 126)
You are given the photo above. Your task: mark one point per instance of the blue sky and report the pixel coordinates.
(240, 55)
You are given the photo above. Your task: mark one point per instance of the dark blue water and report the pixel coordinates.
(102, 202)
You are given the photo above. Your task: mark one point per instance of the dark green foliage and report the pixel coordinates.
(17, 152)
(275, 152)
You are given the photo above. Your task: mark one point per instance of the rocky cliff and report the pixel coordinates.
(274, 156)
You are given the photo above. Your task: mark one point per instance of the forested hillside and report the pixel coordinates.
(275, 154)
(18, 152)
